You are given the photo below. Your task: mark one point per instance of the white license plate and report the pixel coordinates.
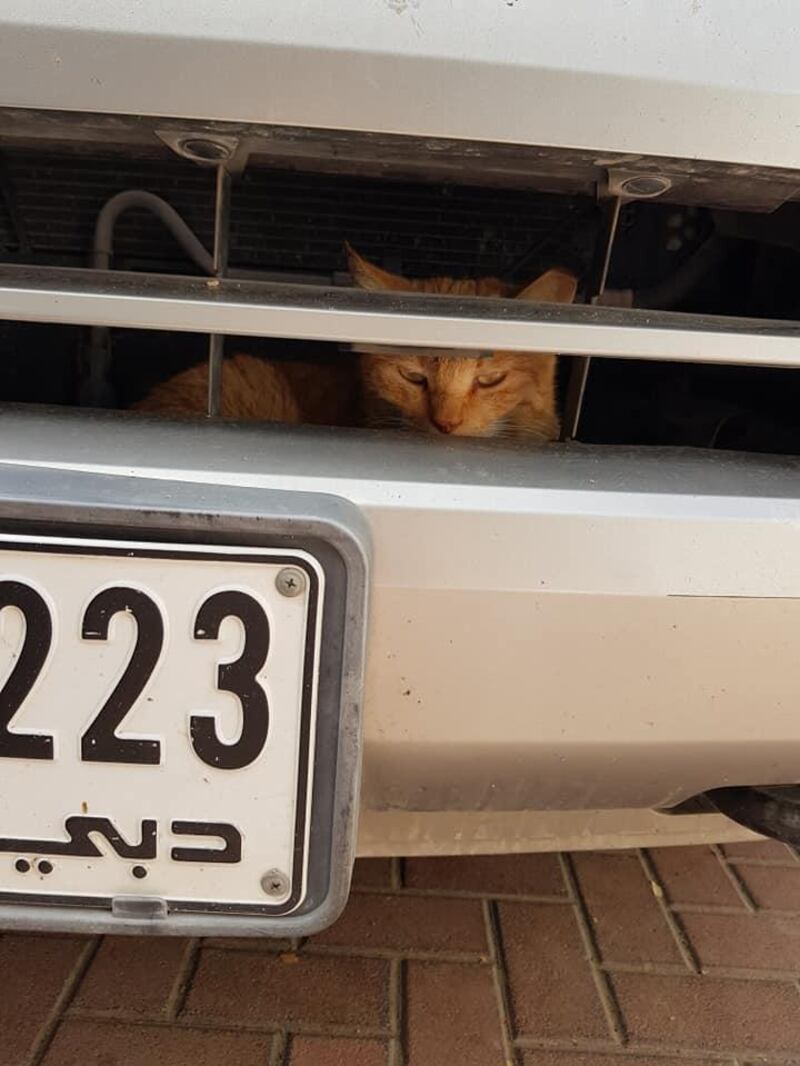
(157, 723)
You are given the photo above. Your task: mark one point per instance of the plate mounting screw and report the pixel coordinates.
(275, 883)
(290, 581)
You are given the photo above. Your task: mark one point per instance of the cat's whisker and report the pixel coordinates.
(390, 420)
(533, 434)
(508, 429)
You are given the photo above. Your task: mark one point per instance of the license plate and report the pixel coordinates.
(162, 711)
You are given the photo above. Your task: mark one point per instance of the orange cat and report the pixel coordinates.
(510, 394)
(492, 394)
(255, 390)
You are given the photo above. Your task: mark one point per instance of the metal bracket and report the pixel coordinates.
(617, 188)
(579, 369)
(216, 341)
(228, 155)
(139, 908)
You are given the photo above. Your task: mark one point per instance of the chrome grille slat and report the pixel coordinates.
(253, 308)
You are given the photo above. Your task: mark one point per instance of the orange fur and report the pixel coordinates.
(255, 390)
(491, 394)
(447, 395)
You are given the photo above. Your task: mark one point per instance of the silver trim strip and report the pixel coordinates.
(557, 628)
(252, 308)
(669, 79)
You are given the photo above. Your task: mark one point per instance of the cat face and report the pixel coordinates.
(487, 394)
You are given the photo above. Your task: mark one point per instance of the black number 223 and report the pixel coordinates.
(101, 742)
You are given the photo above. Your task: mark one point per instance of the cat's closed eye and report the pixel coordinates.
(488, 381)
(413, 376)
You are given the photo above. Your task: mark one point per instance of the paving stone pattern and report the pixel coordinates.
(679, 955)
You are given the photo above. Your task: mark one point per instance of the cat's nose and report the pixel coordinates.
(447, 425)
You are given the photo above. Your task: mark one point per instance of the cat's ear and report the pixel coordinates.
(553, 287)
(368, 276)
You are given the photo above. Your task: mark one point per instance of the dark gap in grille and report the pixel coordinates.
(297, 222)
(59, 196)
(285, 220)
(8, 238)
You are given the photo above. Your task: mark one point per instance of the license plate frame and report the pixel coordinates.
(75, 506)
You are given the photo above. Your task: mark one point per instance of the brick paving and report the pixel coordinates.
(681, 955)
